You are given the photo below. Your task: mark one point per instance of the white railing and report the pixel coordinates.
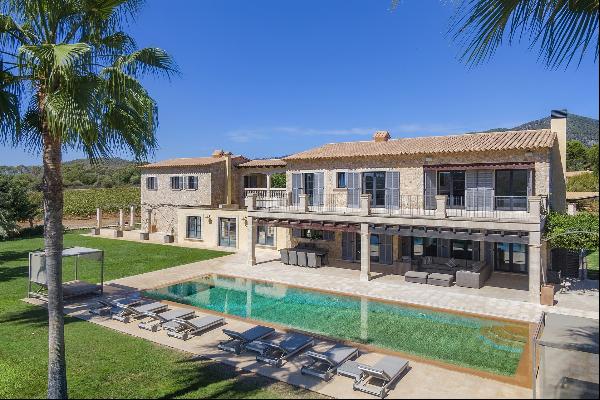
(277, 193)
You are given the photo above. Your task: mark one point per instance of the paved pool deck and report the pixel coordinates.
(494, 302)
(422, 380)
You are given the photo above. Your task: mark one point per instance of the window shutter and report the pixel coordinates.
(354, 189)
(329, 236)
(319, 190)
(296, 233)
(530, 182)
(296, 188)
(392, 189)
(430, 190)
(385, 249)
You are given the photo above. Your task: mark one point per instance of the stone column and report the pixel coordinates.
(121, 219)
(252, 234)
(440, 210)
(131, 217)
(303, 203)
(535, 267)
(268, 185)
(365, 256)
(365, 204)
(251, 202)
(534, 206)
(98, 218)
(146, 235)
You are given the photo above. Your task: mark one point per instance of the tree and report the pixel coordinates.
(577, 156)
(592, 156)
(15, 204)
(70, 79)
(573, 232)
(563, 29)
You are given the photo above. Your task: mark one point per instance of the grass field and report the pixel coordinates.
(102, 362)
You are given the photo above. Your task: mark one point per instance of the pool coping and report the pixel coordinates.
(522, 376)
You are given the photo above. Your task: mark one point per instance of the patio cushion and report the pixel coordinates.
(441, 277)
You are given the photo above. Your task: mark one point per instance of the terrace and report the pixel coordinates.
(487, 207)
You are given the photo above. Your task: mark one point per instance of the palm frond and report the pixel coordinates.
(562, 29)
(148, 60)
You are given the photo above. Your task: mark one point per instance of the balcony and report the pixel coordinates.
(511, 208)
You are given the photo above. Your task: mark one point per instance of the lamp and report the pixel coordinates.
(208, 217)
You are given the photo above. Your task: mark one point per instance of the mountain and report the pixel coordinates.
(579, 128)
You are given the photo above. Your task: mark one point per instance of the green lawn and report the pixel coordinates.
(592, 260)
(102, 362)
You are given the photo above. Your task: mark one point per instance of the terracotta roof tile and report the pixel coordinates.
(192, 162)
(509, 140)
(272, 162)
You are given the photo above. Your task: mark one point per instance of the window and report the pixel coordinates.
(462, 249)
(374, 184)
(512, 189)
(374, 248)
(424, 247)
(151, 183)
(176, 183)
(194, 227)
(191, 182)
(341, 180)
(266, 235)
(511, 257)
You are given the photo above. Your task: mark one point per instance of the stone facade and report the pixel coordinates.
(411, 168)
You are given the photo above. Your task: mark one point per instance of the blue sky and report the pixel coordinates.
(272, 77)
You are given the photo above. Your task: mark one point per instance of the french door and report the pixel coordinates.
(374, 184)
(227, 232)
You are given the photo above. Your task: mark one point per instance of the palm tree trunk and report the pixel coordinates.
(53, 240)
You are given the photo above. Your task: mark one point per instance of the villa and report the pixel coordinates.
(461, 207)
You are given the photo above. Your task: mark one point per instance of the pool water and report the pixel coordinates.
(473, 342)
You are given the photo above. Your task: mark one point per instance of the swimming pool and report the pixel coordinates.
(472, 342)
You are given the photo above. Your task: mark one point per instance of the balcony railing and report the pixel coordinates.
(485, 207)
(278, 193)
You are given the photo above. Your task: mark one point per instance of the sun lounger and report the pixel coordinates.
(323, 365)
(238, 341)
(106, 307)
(276, 352)
(186, 328)
(138, 311)
(156, 320)
(376, 380)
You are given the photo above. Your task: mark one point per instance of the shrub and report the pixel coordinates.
(573, 232)
(587, 182)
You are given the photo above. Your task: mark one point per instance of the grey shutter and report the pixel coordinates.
(476, 250)
(329, 235)
(354, 189)
(430, 189)
(529, 182)
(319, 190)
(479, 192)
(443, 248)
(392, 189)
(296, 188)
(296, 233)
(488, 256)
(385, 249)
(348, 246)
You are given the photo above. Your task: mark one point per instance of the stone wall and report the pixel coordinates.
(411, 167)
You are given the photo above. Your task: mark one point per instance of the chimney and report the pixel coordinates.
(381, 136)
(558, 124)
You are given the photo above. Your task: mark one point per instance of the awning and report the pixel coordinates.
(461, 167)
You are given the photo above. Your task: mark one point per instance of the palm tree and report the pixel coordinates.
(70, 80)
(564, 30)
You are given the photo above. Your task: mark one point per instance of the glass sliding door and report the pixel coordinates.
(227, 232)
(266, 235)
(452, 184)
(511, 257)
(374, 248)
